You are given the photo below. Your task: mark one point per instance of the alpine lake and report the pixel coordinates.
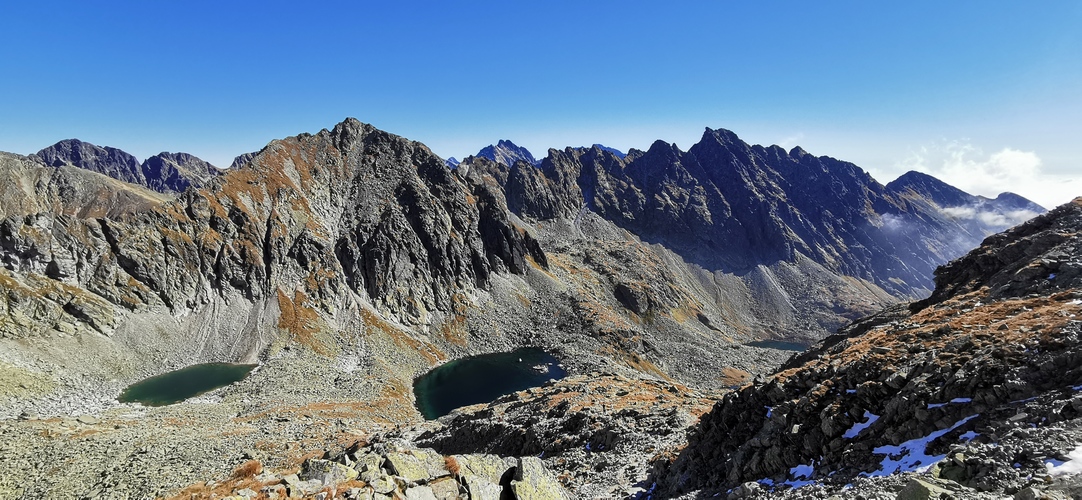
(178, 385)
(482, 379)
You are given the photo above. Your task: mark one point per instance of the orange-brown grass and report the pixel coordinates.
(248, 469)
(732, 376)
(454, 330)
(403, 339)
(300, 320)
(603, 316)
(452, 465)
(1009, 323)
(534, 264)
(242, 477)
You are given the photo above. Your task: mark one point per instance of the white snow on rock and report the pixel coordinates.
(1071, 466)
(869, 419)
(912, 456)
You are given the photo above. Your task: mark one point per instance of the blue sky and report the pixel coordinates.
(983, 94)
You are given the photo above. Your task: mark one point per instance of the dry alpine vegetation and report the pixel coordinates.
(348, 262)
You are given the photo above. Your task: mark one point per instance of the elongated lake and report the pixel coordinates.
(176, 386)
(778, 344)
(481, 379)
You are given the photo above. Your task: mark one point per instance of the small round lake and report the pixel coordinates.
(176, 386)
(481, 379)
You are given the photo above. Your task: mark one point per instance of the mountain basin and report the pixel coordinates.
(780, 345)
(482, 379)
(178, 385)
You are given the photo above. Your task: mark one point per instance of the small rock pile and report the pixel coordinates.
(398, 469)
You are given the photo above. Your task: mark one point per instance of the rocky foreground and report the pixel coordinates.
(977, 388)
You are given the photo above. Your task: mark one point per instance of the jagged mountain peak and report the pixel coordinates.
(507, 153)
(721, 135)
(797, 153)
(175, 172)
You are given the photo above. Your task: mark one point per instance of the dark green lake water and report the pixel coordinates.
(176, 386)
(481, 379)
(777, 344)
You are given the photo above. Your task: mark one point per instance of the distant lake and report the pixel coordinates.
(176, 386)
(482, 379)
(777, 344)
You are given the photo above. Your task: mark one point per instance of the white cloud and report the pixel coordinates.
(965, 166)
(988, 218)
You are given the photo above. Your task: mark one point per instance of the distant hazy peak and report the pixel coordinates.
(164, 172)
(617, 152)
(507, 153)
(105, 160)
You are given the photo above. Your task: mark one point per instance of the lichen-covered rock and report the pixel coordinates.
(328, 472)
(417, 464)
(534, 482)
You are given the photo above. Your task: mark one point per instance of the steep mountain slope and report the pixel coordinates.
(28, 187)
(165, 172)
(977, 213)
(816, 242)
(987, 367)
(727, 205)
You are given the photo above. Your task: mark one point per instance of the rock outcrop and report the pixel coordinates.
(599, 431)
(979, 382)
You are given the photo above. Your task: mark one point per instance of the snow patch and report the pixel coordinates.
(911, 456)
(1072, 466)
(869, 419)
(800, 475)
(953, 401)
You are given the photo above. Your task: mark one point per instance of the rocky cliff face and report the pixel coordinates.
(984, 373)
(309, 220)
(165, 172)
(726, 205)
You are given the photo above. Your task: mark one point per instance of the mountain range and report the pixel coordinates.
(350, 261)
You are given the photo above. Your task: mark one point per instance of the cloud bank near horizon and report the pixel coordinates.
(966, 167)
